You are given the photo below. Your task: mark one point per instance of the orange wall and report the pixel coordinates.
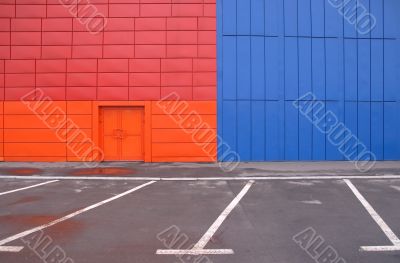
(25, 137)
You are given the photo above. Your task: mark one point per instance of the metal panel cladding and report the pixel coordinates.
(309, 79)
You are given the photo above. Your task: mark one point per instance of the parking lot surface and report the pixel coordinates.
(124, 218)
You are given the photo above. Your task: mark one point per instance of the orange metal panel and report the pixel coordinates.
(184, 159)
(79, 135)
(181, 150)
(31, 135)
(147, 132)
(81, 150)
(18, 107)
(34, 159)
(1, 152)
(79, 107)
(24, 121)
(81, 121)
(179, 135)
(35, 149)
(176, 121)
(76, 159)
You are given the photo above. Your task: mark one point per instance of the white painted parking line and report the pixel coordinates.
(198, 248)
(69, 216)
(378, 219)
(195, 252)
(10, 248)
(232, 178)
(28, 187)
(380, 248)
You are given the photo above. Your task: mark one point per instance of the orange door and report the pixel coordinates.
(122, 133)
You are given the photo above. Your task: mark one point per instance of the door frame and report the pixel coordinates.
(145, 105)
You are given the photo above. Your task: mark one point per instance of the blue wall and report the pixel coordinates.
(270, 52)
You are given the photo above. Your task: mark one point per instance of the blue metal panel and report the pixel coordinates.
(274, 18)
(274, 68)
(377, 69)
(377, 26)
(305, 70)
(243, 17)
(364, 127)
(257, 68)
(257, 17)
(274, 136)
(377, 129)
(334, 135)
(291, 132)
(391, 69)
(243, 73)
(334, 69)
(228, 17)
(229, 68)
(333, 20)
(349, 11)
(230, 128)
(258, 131)
(317, 18)
(270, 52)
(350, 69)
(305, 136)
(291, 69)
(350, 121)
(304, 17)
(364, 19)
(391, 18)
(364, 68)
(290, 17)
(244, 130)
(318, 67)
(319, 142)
(391, 132)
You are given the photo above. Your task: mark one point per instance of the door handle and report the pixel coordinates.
(119, 134)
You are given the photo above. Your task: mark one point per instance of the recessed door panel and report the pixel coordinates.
(122, 133)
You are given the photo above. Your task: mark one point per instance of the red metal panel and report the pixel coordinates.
(81, 93)
(31, 11)
(26, 24)
(52, 52)
(113, 65)
(112, 93)
(57, 24)
(52, 65)
(151, 23)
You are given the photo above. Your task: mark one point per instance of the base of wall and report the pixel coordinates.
(60, 131)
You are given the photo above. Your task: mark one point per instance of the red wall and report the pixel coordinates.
(147, 49)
